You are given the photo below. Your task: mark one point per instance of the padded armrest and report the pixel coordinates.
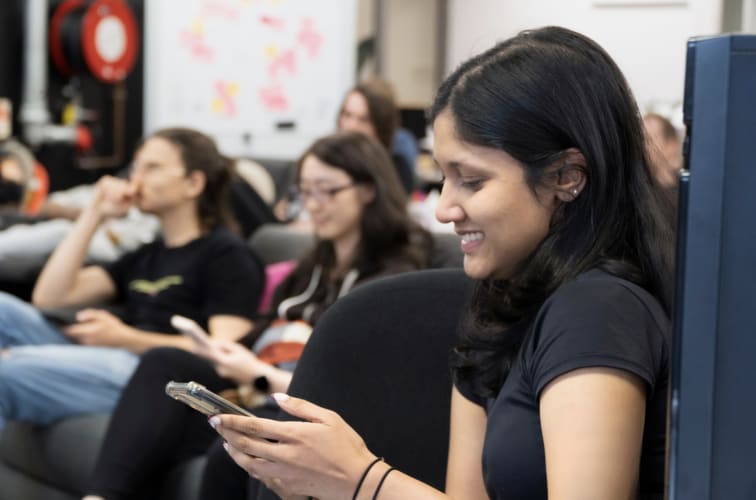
(62, 454)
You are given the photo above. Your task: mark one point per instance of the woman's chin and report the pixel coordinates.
(475, 270)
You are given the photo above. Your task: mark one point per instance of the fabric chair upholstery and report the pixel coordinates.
(379, 358)
(278, 242)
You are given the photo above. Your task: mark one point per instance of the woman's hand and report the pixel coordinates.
(112, 197)
(99, 327)
(322, 457)
(236, 362)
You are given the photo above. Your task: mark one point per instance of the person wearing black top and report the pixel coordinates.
(197, 268)
(561, 370)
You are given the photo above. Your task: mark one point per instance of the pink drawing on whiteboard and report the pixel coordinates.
(195, 43)
(277, 23)
(310, 38)
(219, 9)
(225, 98)
(286, 61)
(273, 98)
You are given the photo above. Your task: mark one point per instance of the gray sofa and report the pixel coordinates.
(54, 463)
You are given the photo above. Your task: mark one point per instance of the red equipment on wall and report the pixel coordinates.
(102, 35)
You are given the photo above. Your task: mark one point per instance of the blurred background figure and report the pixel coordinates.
(370, 108)
(665, 149)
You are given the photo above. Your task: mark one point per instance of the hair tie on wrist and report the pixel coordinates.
(380, 483)
(364, 475)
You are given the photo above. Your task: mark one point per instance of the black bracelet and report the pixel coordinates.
(380, 483)
(262, 384)
(364, 475)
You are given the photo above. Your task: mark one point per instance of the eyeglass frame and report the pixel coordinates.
(320, 195)
(151, 169)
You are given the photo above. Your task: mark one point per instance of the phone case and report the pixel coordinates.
(202, 399)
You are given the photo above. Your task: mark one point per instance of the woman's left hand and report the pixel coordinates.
(321, 457)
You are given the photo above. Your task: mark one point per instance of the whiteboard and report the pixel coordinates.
(263, 77)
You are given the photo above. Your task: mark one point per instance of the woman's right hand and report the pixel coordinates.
(321, 457)
(113, 197)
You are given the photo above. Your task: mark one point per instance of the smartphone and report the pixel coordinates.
(202, 399)
(191, 329)
(61, 316)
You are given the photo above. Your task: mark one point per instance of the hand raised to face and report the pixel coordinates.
(113, 197)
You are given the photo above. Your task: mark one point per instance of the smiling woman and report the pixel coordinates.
(561, 370)
(487, 198)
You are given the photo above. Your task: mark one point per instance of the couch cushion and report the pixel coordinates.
(62, 454)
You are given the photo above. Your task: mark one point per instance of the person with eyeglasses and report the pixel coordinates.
(55, 364)
(368, 108)
(347, 184)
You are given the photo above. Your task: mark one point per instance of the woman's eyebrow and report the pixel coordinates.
(319, 181)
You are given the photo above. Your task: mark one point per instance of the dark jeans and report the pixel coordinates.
(150, 432)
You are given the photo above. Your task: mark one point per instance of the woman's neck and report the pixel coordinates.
(180, 226)
(345, 249)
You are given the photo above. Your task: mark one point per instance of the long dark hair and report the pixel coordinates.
(199, 153)
(386, 229)
(382, 109)
(535, 96)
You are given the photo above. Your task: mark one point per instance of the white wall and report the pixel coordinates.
(409, 49)
(647, 41)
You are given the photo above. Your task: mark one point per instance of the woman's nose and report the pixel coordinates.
(447, 207)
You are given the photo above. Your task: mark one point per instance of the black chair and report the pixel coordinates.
(250, 209)
(379, 358)
(277, 242)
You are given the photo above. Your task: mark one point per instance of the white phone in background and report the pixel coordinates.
(191, 329)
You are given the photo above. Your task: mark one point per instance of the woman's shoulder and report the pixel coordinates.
(596, 304)
(221, 239)
(599, 289)
(599, 319)
(222, 244)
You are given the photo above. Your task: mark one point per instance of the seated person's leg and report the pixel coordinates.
(22, 324)
(150, 432)
(45, 383)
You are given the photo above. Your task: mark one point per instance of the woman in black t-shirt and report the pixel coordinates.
(561, 373)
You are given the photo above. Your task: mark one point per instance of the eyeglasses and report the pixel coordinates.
(151, 169)
(321, 195)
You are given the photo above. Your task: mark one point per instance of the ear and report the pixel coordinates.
(366, 193)
(569, 175)
(196, 182)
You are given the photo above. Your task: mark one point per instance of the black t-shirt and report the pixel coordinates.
(214, 274)
(598, 320)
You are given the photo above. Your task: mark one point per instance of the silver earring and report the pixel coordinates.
(575, 192)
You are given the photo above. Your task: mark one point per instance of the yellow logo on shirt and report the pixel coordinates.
(155, 287)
